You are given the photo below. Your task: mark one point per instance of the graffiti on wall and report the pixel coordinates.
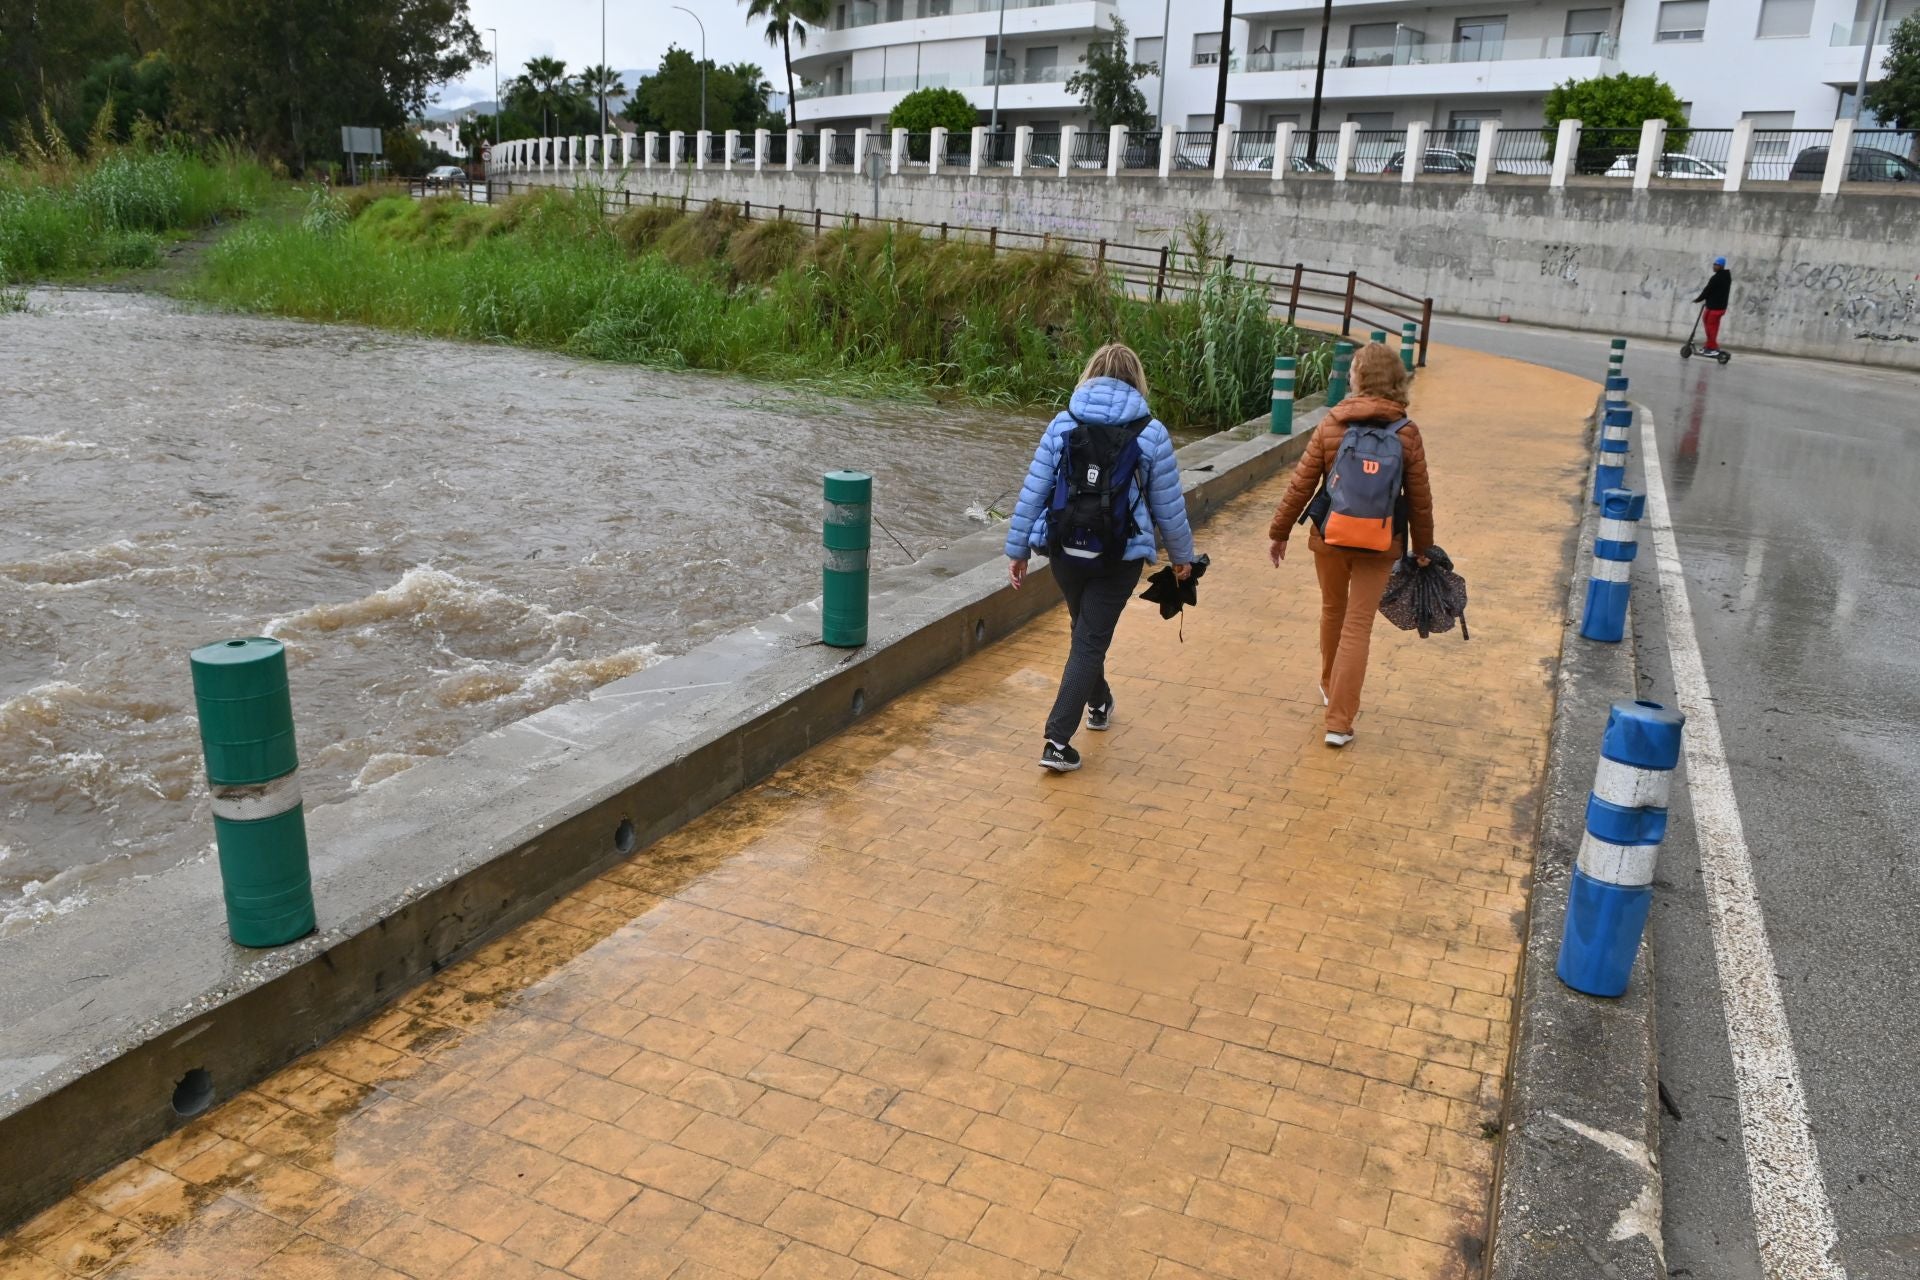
(1017, 209)
(1561, 261)
(1878, 305)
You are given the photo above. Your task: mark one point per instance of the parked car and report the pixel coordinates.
(447, 175)
(1867, 164)
(1437, 160)
(1684, 167)
(1295, 164)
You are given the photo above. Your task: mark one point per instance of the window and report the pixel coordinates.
(1479, 39)
(1463, 130)
(1370, 44)
(1287, 40)
(1200, 123)
(1682, 20)
(1150, 49)
(1206, 49)
(1041, 64)
(1277, 118)
(1587, 32)
(1784, 19)
(1371, 120)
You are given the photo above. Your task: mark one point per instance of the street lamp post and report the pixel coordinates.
(496, 84)
(999, 42)
(1166, 51)
(603, 75)
(703, 62)
(1866, 58)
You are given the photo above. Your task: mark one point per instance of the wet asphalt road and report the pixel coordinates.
(1795, 492)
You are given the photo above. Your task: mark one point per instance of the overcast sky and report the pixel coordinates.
(638, 32)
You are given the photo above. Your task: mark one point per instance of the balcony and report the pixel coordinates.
(1840, 60)
(932, 21)
(1414, 68)
(1021, 89)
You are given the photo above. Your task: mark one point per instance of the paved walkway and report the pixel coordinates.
(1223, 1004)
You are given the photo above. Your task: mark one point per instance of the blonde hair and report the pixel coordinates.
(1378, 372)
(1117, 360)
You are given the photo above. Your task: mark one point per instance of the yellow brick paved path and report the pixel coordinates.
(1223, 1004)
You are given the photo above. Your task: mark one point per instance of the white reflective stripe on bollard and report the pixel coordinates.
(1622, 864)
(1619, 530)
(1612, 570)
(257, 800)
(1632, 787)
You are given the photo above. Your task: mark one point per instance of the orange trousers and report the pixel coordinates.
(1351, 583)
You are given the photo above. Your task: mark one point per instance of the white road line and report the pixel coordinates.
(1791, 1214)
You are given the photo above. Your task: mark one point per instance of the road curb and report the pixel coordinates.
(1577, 1193)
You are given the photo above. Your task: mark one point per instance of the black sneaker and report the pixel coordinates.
(1100, 718)
(1059, 759)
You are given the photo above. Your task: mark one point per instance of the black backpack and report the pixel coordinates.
(1100, 474)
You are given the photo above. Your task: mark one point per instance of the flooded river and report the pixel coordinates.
(447, 537)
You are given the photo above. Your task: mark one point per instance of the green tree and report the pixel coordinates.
(1608, 103)
(47, 48)
(599, 84)
(786, 27)
(286, 76)
(136, 89)
(669, 99)
(544, 88)
(1109, 88)
(925, 110)
(1896, 97)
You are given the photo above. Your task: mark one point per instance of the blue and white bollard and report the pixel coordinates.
(1616, 425)
(1616, 357)
(1611, 579)
(1612, 887)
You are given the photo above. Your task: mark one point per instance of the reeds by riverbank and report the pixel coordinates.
(61, 216)
(875, 309)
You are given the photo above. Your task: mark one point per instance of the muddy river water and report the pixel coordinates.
(447, 537)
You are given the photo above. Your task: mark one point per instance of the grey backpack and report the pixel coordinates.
(1363, 487)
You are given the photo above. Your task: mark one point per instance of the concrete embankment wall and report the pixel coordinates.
(1836, 278)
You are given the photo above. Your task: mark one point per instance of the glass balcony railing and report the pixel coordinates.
(935, 80)
(1851, 35)
(1415, 53)
(862, 14)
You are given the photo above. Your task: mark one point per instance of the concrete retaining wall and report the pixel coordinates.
(1814, 276)
(104, 1010)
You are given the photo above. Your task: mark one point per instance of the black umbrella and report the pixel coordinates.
(1426, 597)
(1173, 595)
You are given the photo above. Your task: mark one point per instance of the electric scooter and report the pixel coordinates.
(1687, 349)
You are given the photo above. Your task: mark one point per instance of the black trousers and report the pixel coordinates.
(1097, 594)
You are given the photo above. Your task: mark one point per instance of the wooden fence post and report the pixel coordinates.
(1426, 329)
(1346, 315)
(1160, 280)
(1293, 300)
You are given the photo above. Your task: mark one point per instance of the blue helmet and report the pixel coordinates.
(1719, 262)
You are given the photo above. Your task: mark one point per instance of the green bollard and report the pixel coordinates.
(1617, 358)
(1283, 371)
(847, 534)
(246, 736)
(1342, 363)
(1379, 336)
(1409, 339)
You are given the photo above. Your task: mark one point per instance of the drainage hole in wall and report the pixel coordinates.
(859, 701)
(193, 1094)
(623, 836)
(979, 631)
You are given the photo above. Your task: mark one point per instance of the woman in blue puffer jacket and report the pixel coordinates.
(1111, 394)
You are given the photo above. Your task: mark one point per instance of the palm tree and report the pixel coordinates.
(545, 86)
(601, 83)
(785, 19)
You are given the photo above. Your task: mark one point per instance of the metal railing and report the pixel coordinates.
(1146, 271)
(1043, 150)
(1607, 151)
(1142, 151)
(1090, 147)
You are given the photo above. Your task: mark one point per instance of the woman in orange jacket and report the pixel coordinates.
(1351, 582)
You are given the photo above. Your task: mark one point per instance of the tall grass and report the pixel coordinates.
(875, 309)
(62, 216)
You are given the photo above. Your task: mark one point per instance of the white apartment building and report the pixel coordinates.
(1788, 64)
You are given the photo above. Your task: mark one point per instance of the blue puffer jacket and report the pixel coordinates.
(1111, 401)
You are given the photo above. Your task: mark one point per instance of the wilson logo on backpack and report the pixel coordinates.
(1363, 487)
(1090, 516)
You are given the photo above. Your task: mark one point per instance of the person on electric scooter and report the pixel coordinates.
(1714, 297)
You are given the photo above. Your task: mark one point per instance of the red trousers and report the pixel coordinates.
(1713, 328)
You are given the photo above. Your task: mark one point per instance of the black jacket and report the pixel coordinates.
(1718, 287)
